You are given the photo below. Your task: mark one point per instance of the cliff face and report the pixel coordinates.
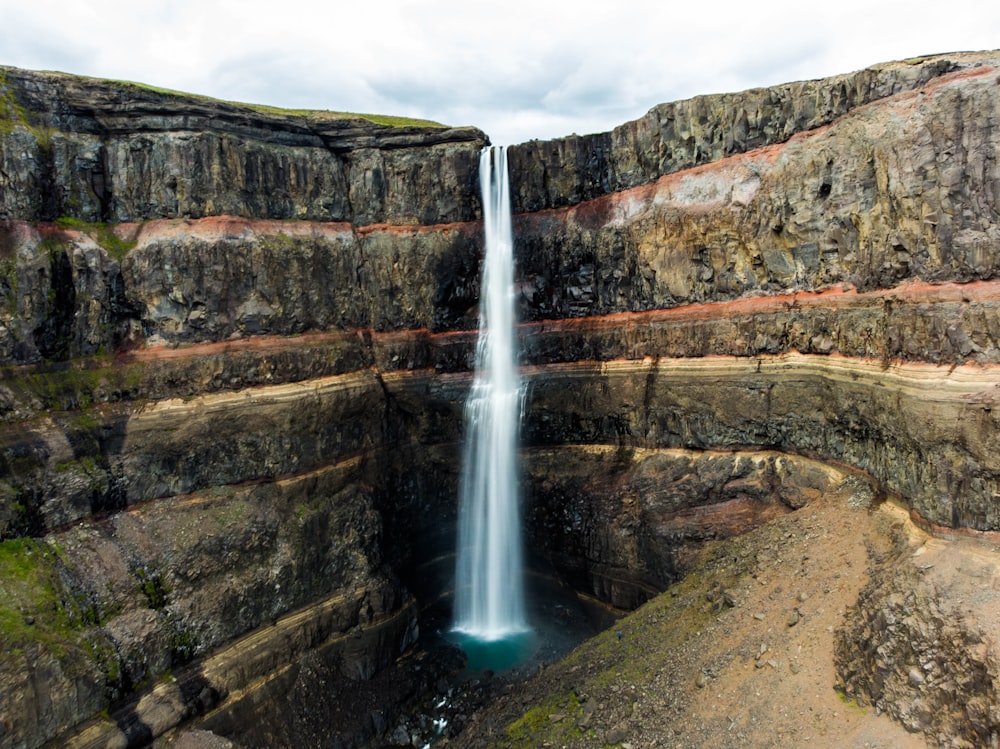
(677, 136)
(236, 342)
(882, 210)
(212, 516)
(880, 196)
(106, 151)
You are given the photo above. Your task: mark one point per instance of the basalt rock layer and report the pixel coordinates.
(114, 151)
(236, 341)
(229, 549)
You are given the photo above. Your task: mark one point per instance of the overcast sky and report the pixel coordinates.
(519, 70)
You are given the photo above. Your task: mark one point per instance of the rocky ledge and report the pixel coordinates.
(839, 624)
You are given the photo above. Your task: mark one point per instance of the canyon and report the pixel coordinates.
(235, 344)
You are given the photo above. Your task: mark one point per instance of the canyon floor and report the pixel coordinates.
(741, 652)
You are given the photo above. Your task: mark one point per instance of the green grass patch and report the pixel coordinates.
(87, 464)
(40, 616)
(280, 242)
(154, 588)
(388, 120)
(52, 245)
(13, 115)
(77, 386)
(68, 389)
(377, 119)
(183, 646)
(605, 665)
(35, 607)
(554, 722)
(101, 233)
(849, 701)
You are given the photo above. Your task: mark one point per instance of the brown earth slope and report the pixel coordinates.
(750, 650)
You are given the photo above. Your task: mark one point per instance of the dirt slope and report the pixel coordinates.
(741, 653)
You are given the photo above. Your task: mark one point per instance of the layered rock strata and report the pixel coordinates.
(236, 343)
(230, 547)
(677, 136)
(118, 151)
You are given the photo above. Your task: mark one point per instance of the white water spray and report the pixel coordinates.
(489, 586)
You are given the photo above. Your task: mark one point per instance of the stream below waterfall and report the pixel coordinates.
(461, 678)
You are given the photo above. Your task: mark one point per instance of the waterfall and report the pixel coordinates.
(489, 585)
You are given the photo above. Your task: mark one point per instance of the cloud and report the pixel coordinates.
(28, 42)
(524, 69)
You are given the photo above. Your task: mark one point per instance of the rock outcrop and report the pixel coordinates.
(120, 152)
(235, 344)
(919, 643)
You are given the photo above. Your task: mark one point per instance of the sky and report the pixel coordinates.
(518, 70)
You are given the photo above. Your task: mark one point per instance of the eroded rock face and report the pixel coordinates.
(919, 643)
(109, 151)
(677, 136)
(222, 278)
(622, 522)
(853, 411)
(880, 196)
(155, 586)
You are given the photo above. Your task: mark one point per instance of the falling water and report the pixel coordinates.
(489, 595)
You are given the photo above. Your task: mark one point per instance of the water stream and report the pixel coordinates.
(489, 613)
(493, 589)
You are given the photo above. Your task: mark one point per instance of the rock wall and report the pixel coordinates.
(919, 642)
(888, 210)
(114, 151)
(198, 298)
(235, 344)
(677, 136)
(881, 196)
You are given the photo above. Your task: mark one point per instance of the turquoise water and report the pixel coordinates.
(496, 655)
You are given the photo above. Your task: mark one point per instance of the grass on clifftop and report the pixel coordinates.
(12, 114)
(385, 120)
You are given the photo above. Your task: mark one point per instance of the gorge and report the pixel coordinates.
(236, 342)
